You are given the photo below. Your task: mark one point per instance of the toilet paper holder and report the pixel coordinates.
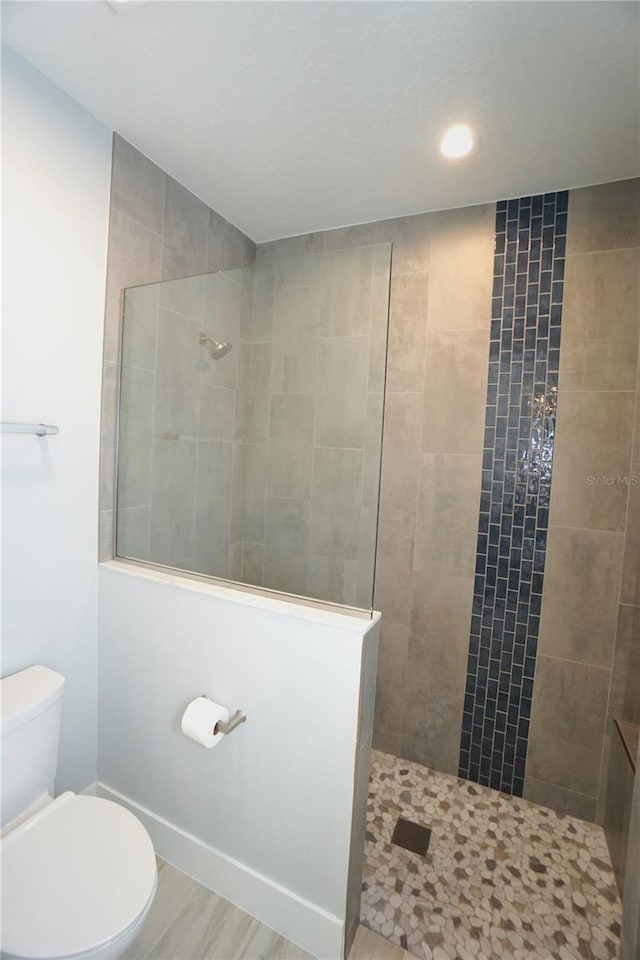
(230, 725)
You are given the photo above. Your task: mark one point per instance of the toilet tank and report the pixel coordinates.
(30, 731)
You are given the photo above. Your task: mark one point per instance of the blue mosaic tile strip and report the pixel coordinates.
(524, 357)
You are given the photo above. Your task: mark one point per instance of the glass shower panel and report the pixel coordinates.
(251, 423)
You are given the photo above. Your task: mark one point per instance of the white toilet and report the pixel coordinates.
(78, 873)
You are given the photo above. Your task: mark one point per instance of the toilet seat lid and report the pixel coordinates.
(75, 875)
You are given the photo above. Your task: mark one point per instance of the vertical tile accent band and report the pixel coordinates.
(524, 355)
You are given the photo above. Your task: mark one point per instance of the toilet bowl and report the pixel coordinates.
(78, 872)
(78, 880)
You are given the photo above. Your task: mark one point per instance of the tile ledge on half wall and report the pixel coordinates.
(351, 620)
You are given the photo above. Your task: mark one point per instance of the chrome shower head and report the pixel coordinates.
(217, 349)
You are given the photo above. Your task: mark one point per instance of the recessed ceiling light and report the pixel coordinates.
(457, 142)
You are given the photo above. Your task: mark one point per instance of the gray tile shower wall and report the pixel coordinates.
(431, 481)
(312, 422)
(177, 486)
(588, 667)
(431, 467)
(158, 231)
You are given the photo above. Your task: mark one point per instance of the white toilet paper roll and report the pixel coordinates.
(200, 718)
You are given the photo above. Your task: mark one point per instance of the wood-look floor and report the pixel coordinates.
(189, 922)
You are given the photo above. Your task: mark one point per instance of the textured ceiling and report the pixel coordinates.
(292, 117)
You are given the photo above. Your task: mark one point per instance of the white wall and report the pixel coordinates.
(268, 810)
(56, 169)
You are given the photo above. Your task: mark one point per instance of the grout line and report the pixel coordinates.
(139, 223)
(588, 253)
(579, 663)
(562, 526)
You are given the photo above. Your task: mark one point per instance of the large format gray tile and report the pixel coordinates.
(624, 693)
(617, 815)
(264, 284)
(245, 277)
(173, 501)
(600, 328)
(222, 308)
(401, 451)
(357, 235)
(407, 331)
(448, 507)
(436, 669)
(185, 296)
(186, 233)
(106, 536)
(291, 444)
(559, 799)
(592, 450)
(177, 394)
(301, 270)
(630, 590)
(214, 476)
(137, 186)
(372, 450)
(334, 529)
(234, 562)
(411, 239)
(341, 393)
(366, 557)
(295, 339)
(213, 518)
(579, 604)
(290, 246)
(132, 533)
(229, 247)
(604, 217)
(378, 333)
(621, 670)
(237, 494)
(135, 436)
(255, 491)
(217, 407)
(346, 292)
(254, 399)
(455, 391)
(629, 635)
(108, 434)
(461, 269)
(630, 935)
(140, 326)
(568, 724)
(135, 257)
(392, 674)
(636, 440)
(253, 563)
(337, 476)
(605, 364)
(331, 578)
(286, 544)
(394, 562)
(387, 741)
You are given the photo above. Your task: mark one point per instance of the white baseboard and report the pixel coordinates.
(315, 930)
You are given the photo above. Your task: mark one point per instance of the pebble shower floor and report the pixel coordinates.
(502, 877)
